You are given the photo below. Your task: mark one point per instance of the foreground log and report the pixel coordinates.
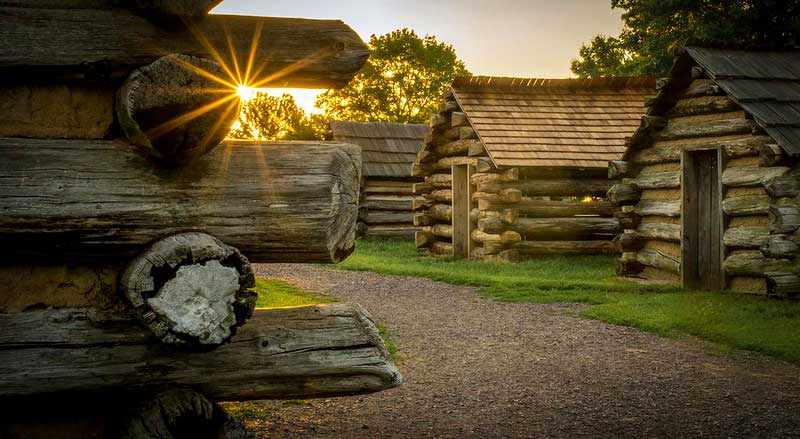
(176, 124)
(96, 200)
(280, 353)
(190, 289)
(289, 52)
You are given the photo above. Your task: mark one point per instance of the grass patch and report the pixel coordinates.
(280, 294)
(733, 321)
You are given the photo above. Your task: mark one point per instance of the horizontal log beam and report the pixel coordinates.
(280, 353)
(783, 186)
(618, 169)
(440, 180)
(746, 205)
(658, 208)
(387, 217)
(388, 202)
(780, 246)
(747, 176)
(746, 237)
(552, 187)
(389, 232)
(458, 147)
(545, 248)
(659, 180)
(753, 263)
(743, 147)
(575, 227)
(660, 260)
(554, 209)
(99, 200)
(785, 284)
(660, 231)
(289, 52)
(441, 248)
(686, 130)
(441, 212)
(784, 218)
(624, 194)
(703, 105)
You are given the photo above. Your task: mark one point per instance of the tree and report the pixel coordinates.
(266, 117)
(403, 81)
(652, 27)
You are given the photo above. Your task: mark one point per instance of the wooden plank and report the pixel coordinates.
(689, 222)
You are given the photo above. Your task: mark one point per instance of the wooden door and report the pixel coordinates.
(462, 205)
(703, 221)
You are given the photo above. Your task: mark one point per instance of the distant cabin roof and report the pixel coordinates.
(576, 123)
(388, 149)
(765, 83)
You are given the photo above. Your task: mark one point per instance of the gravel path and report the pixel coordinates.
(478, 368)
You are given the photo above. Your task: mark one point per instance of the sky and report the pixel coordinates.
(522, 38)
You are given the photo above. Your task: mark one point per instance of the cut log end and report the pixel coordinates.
(190, 289)
(174, 110)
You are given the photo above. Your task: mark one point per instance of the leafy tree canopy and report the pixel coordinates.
(652, 27)
(266, 117)
(403, 81)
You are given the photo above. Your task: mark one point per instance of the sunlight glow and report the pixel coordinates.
(246, 93)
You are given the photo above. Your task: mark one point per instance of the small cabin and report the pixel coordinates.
(388, 150)
(711, 175)
(518, 167)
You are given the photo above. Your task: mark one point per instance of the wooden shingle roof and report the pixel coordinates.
(388, 149)
(575, 123)
(765, 83)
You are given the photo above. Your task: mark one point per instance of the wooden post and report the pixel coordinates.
(462, 205)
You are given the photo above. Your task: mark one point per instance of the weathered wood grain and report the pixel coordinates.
(746, 237)
(745, 176)
(289, 52)
(542, 248)
(746, 205)
(281, 353)
(568, 228)
(552, 187)
(658, 208)
(99, 200)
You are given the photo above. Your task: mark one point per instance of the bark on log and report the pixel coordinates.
(504, 238)
(657, 259)
(660, 232)
(629, 242)
(751, 175)
(280, 353)
(458, 147)
(460, 133)
(554, 209)
(744, 147)
(786, 284)
(746, 237)
(176, 124)
(780, 246)
(504, 196)
(190, 289)
(658, 208)
(746, 205)
(289, 52)
(441, 212)
(178, 413)
(423, 220)
(552, 187)
(458, 119)
(421, 188)
(424, 238)
(443, 230)
(387, 202)
(96, 200)
(506, 176)
(659, 180)
(575, 227)
(442, 248)
(618, 169)
(770, 154)
(784, 186)
(624, 194)
(628, 220)
(784, 218)
(703, 105)
(440, 180)
(725, 127)
(441, 196)
(544, 248)
(701, 87)
(754, 263)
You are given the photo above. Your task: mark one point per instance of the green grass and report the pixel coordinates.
(279, 294)
(760, 324)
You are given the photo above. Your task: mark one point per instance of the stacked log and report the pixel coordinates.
(449, 143)
(759, 189)
(388, 207)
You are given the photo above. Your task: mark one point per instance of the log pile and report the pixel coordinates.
(130, 226)
(758, 181)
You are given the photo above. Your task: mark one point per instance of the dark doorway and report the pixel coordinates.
(703, 221)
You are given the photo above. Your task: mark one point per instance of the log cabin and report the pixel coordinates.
(710, 178)
(388, 150)
(127, 301)
(516, 168)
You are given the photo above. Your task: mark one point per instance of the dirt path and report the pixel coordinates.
(479, 368)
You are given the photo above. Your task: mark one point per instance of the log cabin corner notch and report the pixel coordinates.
(387, 203)
(535, 150)
(722, 138)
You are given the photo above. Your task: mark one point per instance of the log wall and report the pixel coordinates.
(387, 208)
(758, 184)
(517, 212)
